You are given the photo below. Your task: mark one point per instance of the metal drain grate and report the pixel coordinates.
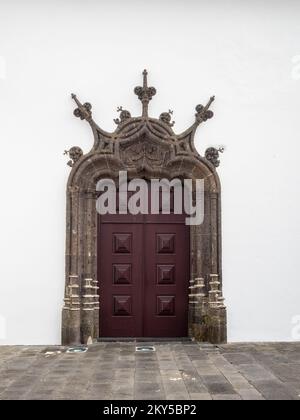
(77, 349)
(144, 348)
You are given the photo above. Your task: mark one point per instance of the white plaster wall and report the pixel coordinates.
(242, 52)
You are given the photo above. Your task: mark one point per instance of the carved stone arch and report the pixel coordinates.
(146, 148)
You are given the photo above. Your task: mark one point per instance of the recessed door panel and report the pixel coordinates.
(120, 285)
(166, 280)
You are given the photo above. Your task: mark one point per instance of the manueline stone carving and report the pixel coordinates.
(144, 153)
(75, 154)
(129, 128)
(124, 115)
(147, 147)
(144, 92)
(203, 113)
(212, 154)
(83, 111)
(166, 118)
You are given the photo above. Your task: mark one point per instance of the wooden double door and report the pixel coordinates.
(143, 274)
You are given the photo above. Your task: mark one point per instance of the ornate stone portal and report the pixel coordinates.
(148, 148)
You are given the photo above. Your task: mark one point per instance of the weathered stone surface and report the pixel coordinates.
(201, 397)
(95, 375)
(226, 397)
(250, 394)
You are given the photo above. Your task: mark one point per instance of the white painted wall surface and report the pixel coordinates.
(246, 53)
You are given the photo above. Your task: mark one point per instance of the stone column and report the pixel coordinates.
(216, 318)
(198, 292)
(71, 313)
(214, 231)
(71, 308)
(88, 304)
(193, 271)
(96, 309)
(200, 309)
(214, 291)
(191, 314)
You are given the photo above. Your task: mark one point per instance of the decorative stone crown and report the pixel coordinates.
(130, 128)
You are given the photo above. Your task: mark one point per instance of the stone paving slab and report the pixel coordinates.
(175, 371)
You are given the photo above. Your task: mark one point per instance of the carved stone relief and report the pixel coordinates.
(147, 146)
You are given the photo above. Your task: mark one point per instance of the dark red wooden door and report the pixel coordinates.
(121, 268)
(143, 272)
(166, 280)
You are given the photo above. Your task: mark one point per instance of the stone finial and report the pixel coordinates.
(145, 93)
(84, 110)
(75, 154)
(165, 117)
(124, 115)
(212, 154)
(203, 113)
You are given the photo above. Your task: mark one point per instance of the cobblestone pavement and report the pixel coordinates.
(179, 370)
